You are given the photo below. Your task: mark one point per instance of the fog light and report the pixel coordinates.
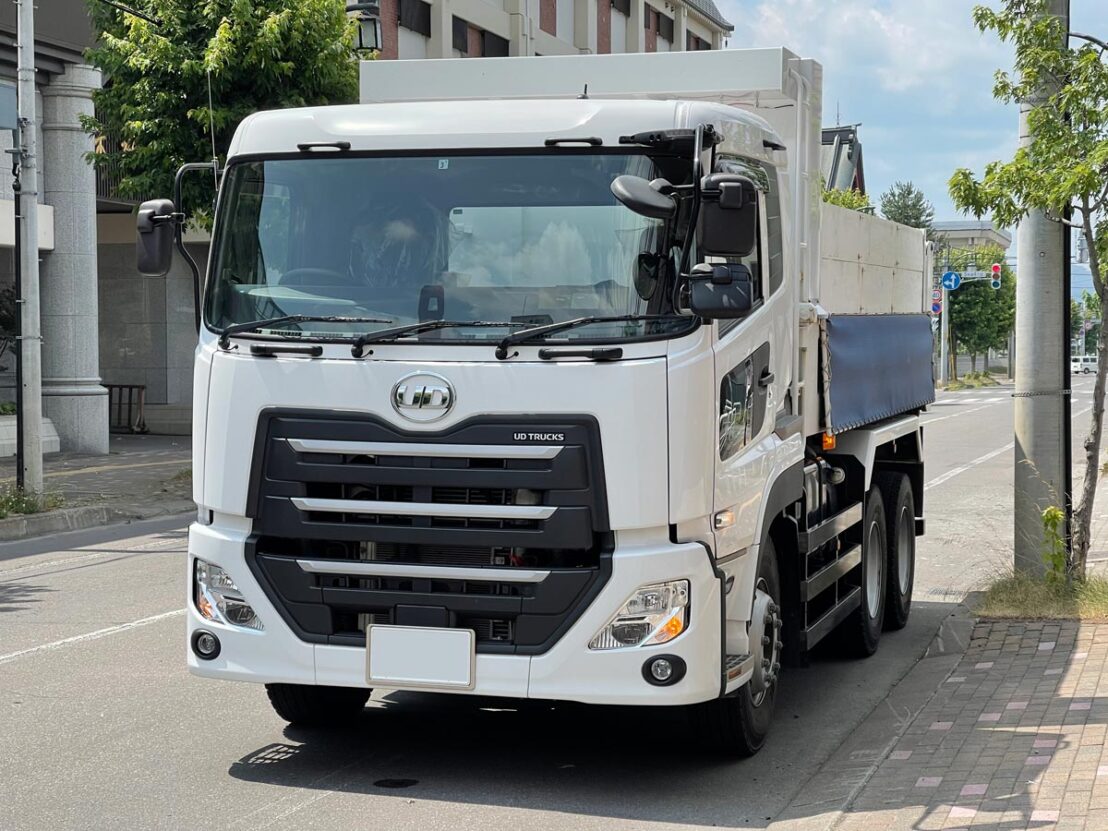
(219, 600)
(654, 614)
(664, 670)
(205, 645)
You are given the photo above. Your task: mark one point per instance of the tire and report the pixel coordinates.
(861, 632)
(305, 705)
(900, 526)
(738, 724)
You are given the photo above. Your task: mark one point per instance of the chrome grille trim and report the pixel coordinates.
(362, 568)
(431, 509)
(424, 450)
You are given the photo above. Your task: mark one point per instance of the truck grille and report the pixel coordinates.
(337, 490)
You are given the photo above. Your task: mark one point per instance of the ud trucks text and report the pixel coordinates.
(550, 378)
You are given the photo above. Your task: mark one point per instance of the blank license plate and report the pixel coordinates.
(418, 656)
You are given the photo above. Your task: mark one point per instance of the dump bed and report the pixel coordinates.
(875, 342)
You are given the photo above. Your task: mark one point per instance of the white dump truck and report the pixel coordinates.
(554, 378)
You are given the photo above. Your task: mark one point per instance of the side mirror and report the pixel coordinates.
(721, 291)
(643, 197)
(155, 237)
(728, 225)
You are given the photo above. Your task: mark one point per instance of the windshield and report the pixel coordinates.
(519, 239)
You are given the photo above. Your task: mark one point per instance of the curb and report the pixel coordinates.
(827, 795)
(78, 519)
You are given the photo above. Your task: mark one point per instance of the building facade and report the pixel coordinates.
(73, 398)
(497, 28)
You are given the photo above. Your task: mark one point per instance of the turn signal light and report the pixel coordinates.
(828, 441)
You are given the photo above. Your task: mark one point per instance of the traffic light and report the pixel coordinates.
(995, 282)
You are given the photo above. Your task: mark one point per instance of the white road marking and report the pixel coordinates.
(950, 474)
(992, 454)
(952, 415)
(89, 636)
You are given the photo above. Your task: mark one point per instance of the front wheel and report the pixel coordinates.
(307, 705)
(738, 724)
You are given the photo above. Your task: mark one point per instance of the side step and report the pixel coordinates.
(830, 528)
(736, 666)
(827, 575)
(836, 615)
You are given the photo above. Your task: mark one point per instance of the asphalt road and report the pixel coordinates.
(101, 726)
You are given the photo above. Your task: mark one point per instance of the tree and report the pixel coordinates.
(855, 200)
(153, 113)
(1090, 313)
(906, 204)
(1064, 166)
(981, 317)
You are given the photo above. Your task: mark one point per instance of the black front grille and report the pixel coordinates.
(319, 504)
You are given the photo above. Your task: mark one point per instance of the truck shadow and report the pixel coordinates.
(615, 762)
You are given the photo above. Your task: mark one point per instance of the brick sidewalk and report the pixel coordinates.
(1014, 739)
(142, 476)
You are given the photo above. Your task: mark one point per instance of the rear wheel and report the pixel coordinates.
(861, 632)
(738, 724)
(900, 527)
(311, 706)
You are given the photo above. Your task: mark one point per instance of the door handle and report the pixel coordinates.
(766, 378)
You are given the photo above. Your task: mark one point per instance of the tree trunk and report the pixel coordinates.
(1083, 511)
(973, 362)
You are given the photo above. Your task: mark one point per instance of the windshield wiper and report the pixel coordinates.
(387, 335)
(254, 325)
(550, 328)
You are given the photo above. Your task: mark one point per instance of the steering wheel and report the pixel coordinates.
(317, 277)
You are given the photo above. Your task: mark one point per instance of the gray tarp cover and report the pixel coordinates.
(875, 367)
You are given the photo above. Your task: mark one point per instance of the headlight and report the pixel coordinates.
(655, 614)
(218, 598)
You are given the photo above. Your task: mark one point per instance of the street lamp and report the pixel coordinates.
(368, 16)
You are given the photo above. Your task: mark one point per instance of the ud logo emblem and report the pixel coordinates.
(423, 396)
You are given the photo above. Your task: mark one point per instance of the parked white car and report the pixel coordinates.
(1083, 364)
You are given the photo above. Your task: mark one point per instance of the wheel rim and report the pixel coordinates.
(765, 642)
(875, 549)
(904, 533)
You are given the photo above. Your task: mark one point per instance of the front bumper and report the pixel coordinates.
(568, 671)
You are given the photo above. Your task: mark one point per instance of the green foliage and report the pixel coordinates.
(16, 501)
(7, 408)
(981, 317)
(853, 199)
(1088, 310)
(906, 204)
(260, 54)
(1067, 160)
(1054, 547)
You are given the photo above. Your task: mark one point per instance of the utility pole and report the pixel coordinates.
(944, 340)
(1041, 346)
(30, 343)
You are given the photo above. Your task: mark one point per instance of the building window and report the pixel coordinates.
(495, 46)
(665, 27)
(416, 16)
(461, 35)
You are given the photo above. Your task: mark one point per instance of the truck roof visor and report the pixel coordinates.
(673, 141)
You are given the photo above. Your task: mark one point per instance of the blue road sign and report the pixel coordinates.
(951, 280)
(936, 308)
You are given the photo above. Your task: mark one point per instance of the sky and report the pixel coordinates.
(916, 74)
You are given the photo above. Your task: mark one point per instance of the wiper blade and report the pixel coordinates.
(386, 335)
(254, 325)
(550, 328)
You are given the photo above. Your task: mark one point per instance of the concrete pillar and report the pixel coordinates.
(636, 27)
(71, 390)
(585, 25)
(442, 31)
(680, 29)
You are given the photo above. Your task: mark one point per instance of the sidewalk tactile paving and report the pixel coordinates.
(1017, 738)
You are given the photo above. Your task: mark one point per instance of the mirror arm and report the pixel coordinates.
(179, 225)
(694, 215)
